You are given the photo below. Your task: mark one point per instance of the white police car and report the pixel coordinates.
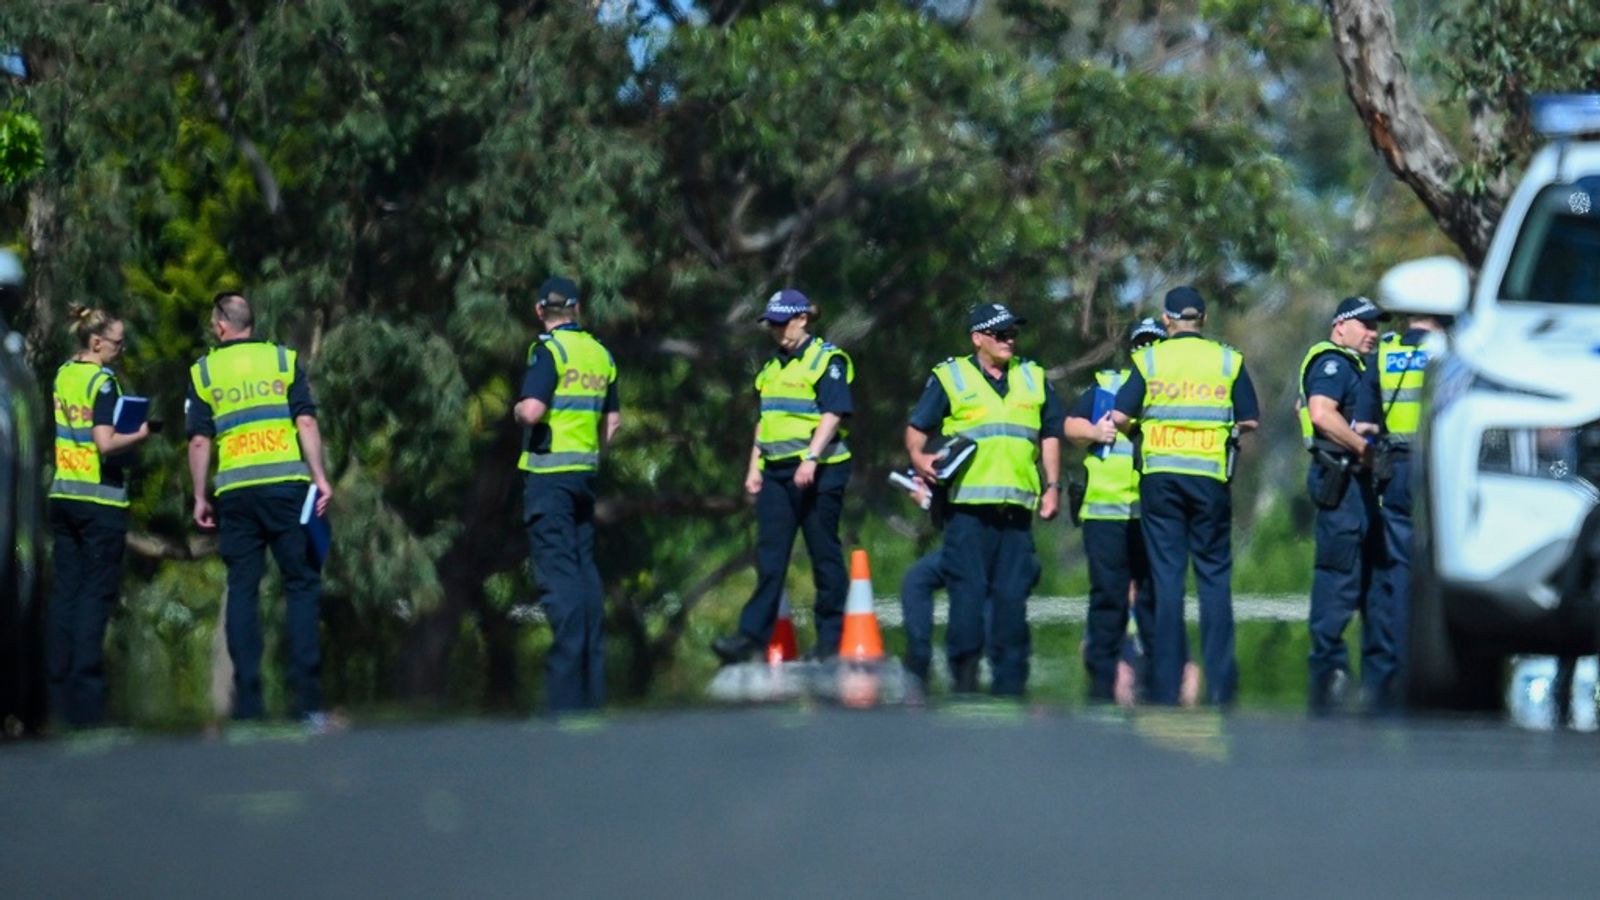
(1508, 458)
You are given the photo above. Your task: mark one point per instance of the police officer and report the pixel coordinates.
(88, 516)
(799, 465)
(1112, 539)
(569, 406)
(253, 399)
(1349, 540)
(1395, 391)
(1192, 397)
(1005, 404)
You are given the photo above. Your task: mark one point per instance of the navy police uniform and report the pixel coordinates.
(1349, 542)
(783, 508)
(251, 519)
(1403, 354)
(88, 540)
(558, 517)
(988, 559)
(1188, 515)
(921, 581)
(1115, 550)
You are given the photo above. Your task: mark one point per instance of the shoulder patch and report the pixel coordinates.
(835, 371)
(105, 387)
(1331, 367)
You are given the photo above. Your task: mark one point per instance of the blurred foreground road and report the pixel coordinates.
(959, 801)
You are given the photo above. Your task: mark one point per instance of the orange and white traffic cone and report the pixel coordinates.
(862, 641)
(782, 647)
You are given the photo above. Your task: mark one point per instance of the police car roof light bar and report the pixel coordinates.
(1566, 115)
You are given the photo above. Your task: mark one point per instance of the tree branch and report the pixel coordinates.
(1386, 100)
(265, 181)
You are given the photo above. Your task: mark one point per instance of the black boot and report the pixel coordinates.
(736, 648)
(964, 676)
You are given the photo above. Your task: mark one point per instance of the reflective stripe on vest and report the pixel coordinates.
(1004, 469)
(1187, 413)
(1402, 370)
(79, 474)
(789, 411)
(1307, 431)
(246, 385)
(1112, 492)
(585, 372)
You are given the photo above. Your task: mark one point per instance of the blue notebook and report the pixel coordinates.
(319, 536)
(130, 413)
(1104, 400)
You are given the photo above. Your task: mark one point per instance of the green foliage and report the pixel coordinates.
(389, 180)
(21, 146)
(1504, 52)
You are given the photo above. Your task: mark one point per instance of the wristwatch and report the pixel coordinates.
(809, 457)
(1054, 485)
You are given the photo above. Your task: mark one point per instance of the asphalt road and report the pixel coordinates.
(959, 801)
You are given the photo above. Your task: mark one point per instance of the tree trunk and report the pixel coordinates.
(43, 229)
(1385, 98)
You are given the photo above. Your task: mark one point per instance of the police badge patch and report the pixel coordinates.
(1331, 367)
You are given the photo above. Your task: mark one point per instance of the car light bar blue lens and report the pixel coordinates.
(1564, 115)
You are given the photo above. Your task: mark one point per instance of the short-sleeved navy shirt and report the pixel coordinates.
(106, 391)
(198, 415)
(1336, 376)
(539, 383)
(833, 388)
(1130, 397)
(933, 407)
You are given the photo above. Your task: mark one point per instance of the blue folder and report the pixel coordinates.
(130, 413)
(1104, 400)
(319, 536)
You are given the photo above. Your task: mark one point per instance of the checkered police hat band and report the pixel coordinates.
(1366, 308)
(995, 321)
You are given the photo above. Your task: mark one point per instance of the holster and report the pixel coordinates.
(1384, 454)
(1336, 473)
(1076, 491)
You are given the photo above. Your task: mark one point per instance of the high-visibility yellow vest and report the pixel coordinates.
(1401, 373)
(247, 387)
(1005, 467)
(1188, 406)
(1112, 493)
(1308, 432)
(789, 411)
(584, 373)
(79, 474)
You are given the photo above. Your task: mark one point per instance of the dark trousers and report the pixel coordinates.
(249, 520)
(1349, 547)
(1186, 516)
(1116, 559)
(916, 610)
(1395, 576)
(989, 565)
(558, 511)
(782, 508)
(89, 541)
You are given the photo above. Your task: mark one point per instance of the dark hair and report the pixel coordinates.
(232, 308)
(87, 322)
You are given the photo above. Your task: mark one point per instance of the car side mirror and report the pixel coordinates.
(1435, 286)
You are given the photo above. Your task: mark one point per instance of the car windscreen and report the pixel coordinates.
(1557, 254)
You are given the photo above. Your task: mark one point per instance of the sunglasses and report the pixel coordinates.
(1006, 334)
